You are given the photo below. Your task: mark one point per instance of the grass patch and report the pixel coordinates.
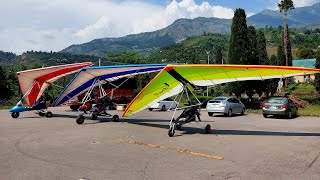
(5, 107)
(311, 110)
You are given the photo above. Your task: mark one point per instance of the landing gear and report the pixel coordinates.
(115, 118)
(171, 131)
(15, 114)
(80, 119)
(207, 129)
(94, 116)
(179, 127)
(49, 114)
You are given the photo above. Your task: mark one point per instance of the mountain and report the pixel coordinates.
(149, 41)
(298, 17)
(184, 28)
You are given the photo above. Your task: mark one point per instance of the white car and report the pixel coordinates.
(164, 105)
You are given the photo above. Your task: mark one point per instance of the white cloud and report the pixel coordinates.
(301, 3)
(54, 25)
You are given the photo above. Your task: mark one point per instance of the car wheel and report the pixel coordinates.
(210, 113)
(243, 111)
(265, 115)
(163, 108)
(150, 109)
(229, 113)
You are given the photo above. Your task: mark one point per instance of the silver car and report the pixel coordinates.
(225, 105)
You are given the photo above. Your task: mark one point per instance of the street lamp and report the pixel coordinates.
(208, 53)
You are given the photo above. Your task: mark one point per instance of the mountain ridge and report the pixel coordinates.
(181, 29)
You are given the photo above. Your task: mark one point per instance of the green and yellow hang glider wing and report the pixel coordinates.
(171, 80)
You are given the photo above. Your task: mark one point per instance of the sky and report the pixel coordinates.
(52, 25)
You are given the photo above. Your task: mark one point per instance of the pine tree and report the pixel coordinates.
(317, 76)
(252, 46)
(281, 58)
(238, 49)
(261, 48)
(250, 86)
(218, 56)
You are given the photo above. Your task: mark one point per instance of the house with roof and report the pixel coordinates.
(307, 63)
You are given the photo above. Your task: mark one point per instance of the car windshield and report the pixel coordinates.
(217, 100)
(277, 100)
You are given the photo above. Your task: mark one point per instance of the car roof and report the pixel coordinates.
(223, 97)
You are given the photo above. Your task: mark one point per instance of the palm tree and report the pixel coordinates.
(284, 6)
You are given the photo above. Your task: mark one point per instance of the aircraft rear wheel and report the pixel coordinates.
(80, 119)
(208, 129)
(179, 127)
(49, 114)
(115, 118)
(94, 117)
(15, 114)
(171, 131)
(41, 113)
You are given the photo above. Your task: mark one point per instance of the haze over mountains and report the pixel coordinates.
(308, 16)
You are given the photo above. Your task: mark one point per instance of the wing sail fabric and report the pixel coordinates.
(33, 82)
(165, 85)
(87, 76)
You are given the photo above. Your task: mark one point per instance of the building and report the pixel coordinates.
(307, 63)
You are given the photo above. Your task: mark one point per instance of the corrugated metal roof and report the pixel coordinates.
(308, 63)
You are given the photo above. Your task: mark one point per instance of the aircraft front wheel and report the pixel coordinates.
(80, 119)
(115, 118)
(15, 114)
(171, 131)
(49, 114)
(94, 117)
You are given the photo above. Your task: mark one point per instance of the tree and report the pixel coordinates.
(4, 85)
(261, 48)
(305, 53)
(281, 57)
(238, 49)
(317, 76)
(284, 6)
(250, 86)
(218, 56)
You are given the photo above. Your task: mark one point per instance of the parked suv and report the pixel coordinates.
(225, 105)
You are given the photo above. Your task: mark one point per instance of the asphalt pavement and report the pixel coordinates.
(239, 147)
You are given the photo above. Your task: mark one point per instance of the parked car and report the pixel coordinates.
(225, 105)
(279, 106)
(164, 105)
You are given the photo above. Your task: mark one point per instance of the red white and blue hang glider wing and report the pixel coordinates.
(33, 82)
(87, 77)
